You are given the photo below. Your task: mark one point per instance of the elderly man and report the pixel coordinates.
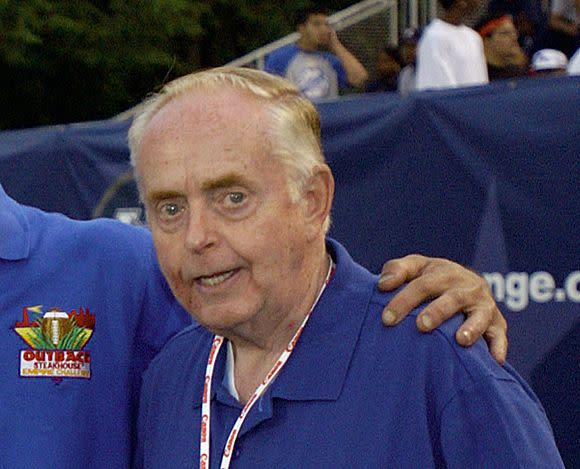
(282, 370)
(85, 308)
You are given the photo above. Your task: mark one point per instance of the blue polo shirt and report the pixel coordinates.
(353, 394)
(83, 309)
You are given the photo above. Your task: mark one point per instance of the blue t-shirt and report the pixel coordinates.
(83, 310)
(352, 394)
(316, 74)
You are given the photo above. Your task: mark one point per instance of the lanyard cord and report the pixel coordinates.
(204, 446)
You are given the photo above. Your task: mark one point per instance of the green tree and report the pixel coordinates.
(63, 61)
(76, 60)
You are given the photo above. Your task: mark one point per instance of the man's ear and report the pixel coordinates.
(319, 193)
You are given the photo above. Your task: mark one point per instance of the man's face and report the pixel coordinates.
(316, 31)
(503, 40)
(229, 238)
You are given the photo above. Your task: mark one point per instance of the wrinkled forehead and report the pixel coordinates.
(200, 114)
(200, 131)
(224, 106)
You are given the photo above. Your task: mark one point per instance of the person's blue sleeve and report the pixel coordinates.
(497, 423)
(277, 62)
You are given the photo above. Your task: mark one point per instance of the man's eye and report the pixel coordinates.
(169, 210)
(236, 198)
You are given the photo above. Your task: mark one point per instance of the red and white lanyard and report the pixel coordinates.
(204, 446)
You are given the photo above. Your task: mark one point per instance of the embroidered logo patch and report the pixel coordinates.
(56, 341)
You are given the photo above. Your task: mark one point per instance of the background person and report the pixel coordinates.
(529, 19)
(229, 227)
(450, 54)
(408, 52)
(549, 62)
(388, 68)
(503, 54)
(563, 21)
(318, 64)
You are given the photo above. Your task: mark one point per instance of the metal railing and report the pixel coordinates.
(416, 13)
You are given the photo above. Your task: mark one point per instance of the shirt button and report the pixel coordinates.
(237, 453)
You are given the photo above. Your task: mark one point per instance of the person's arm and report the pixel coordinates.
(356, 73)
(454, 289)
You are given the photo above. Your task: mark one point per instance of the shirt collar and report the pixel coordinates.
(14, 229)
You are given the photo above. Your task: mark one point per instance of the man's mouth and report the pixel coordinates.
(216, 279)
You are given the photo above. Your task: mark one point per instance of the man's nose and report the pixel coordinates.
(201, 233)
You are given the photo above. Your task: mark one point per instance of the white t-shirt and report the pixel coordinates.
(450, 56)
